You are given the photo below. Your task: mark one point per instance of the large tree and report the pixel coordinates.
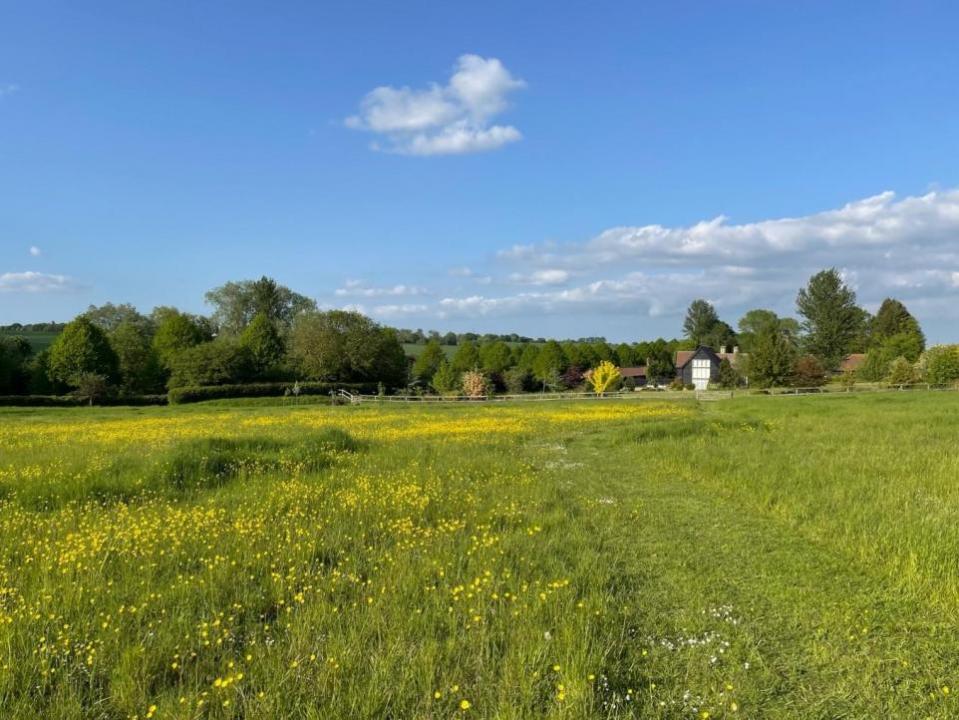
(772, 358)
(176, 332)
(235, 304)
(831, 319)
(263, 343)
(495, 357)
(140, 369)
(108, 317)
(466, 357)
(753, 322)
(701, 319)
(80, 349)
(429, 361)
(896, 327)
(345, 346)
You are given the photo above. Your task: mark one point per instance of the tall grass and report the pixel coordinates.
(753, 558)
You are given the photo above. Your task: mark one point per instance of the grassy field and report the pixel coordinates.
(39, 341)
(755, 558)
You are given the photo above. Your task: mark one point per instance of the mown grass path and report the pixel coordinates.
(759, 558)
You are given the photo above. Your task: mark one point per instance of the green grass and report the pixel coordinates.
(760, 557)
(39, 341)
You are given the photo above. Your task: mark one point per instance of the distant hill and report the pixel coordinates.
(39, 340)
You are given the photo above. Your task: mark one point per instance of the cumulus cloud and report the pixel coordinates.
(34, 251)
(905, 247)
(35, 282)
(883, 245)
(449, 119)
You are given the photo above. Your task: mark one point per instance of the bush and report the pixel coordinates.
(475, 384)
(183, 395)
(516, 380)
(808, 372)
(941, 364)
(75, 400)
(901, 372)
(676, 384)
(222, 362)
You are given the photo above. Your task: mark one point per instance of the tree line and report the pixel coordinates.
(260, 331)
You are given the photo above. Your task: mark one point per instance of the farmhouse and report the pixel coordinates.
(699, 367)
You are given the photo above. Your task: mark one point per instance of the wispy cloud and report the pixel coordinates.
(446, 119)
(36, 282)
(357, 288)
(8, 89)
(35, 251)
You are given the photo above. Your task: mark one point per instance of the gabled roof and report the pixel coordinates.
(684, 356)
(638, 371)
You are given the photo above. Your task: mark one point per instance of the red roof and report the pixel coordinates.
(852, 362)
(639, 371)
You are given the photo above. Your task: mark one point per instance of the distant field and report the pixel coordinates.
(39, 341)
(760, 558)
(415, 349)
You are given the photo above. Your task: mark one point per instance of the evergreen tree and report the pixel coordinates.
(831, 319)
(701, 319)
(771, 361)
(896, 327)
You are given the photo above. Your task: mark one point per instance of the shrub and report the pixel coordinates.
(475, 384)
(676, 384)
(603, 377)
(901, 372)
(516, 380)
(445, 379)
(941, 364)
(222, 362)
(91, 386)
(808, 372)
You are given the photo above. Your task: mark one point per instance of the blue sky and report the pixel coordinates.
(542, 168)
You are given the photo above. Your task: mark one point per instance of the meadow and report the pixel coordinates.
(757, 558)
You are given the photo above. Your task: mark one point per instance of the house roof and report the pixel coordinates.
(852, 362)
(684, 356)
(638, 371)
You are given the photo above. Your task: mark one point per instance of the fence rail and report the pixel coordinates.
(701, 395)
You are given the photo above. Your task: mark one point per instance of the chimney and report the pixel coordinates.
(722, 349)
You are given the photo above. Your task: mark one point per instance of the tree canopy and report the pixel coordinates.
(831, 319)
(236, 303)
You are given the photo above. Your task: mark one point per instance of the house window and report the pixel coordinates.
(701, 372)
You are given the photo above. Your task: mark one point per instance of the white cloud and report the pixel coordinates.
(357, 288)
(443, 119)
(35, 251)
(548, 276)
(883, 245)
(35, 282)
